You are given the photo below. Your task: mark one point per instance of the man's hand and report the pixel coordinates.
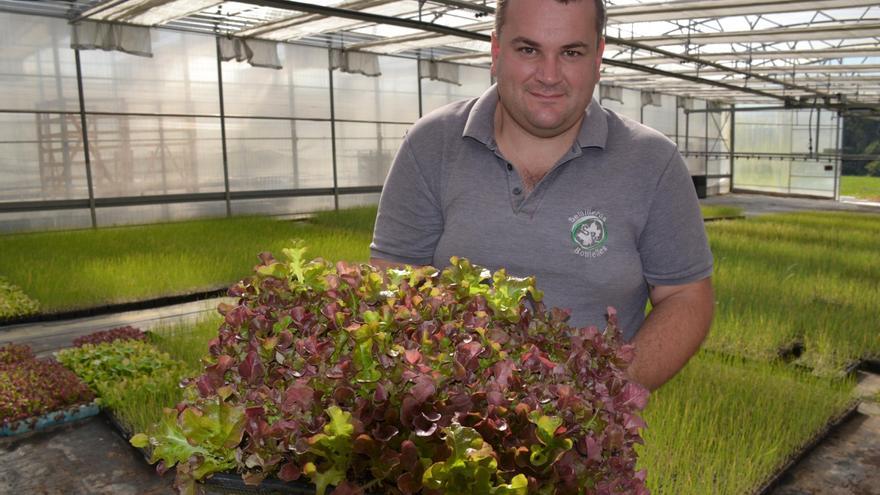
(672, 332)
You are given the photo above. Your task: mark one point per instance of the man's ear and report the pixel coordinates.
(600, 50)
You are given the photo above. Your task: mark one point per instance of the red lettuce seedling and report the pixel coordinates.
(112, 335)
(32, 387)
(409, 381)
(12, 353)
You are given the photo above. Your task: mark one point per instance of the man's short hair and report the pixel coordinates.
(501, 10)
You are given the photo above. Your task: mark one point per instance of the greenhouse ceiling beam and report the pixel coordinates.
(700, 62)
(694, 79)
(818, 32)
(477, 7)
(462, 33)
(292, 5)
(826, 53)
(366, 17)
(672, 11)
(870, 103)
(795, 70)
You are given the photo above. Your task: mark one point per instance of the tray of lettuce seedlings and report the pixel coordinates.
(413, 380)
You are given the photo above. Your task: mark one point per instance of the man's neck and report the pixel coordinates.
(532, 156)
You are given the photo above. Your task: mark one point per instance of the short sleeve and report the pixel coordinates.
(410, 218)
(673, 245)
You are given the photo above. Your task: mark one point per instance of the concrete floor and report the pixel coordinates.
(759, 204)
(847, 462)
(89, 457)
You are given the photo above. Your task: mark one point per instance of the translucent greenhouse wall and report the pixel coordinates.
(156, 136)
(163, 147)
(702, 137)
(792, 152)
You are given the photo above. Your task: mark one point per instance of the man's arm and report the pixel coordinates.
(672, 332)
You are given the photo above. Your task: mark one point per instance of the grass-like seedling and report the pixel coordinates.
(138, 402)
(866, 188)
(810, 278)
(187, 342)
(88, 268)
(719, 211)
(360, 219)
(132, 378)
(724, 426)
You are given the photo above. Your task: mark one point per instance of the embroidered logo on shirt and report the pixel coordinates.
(589, 233)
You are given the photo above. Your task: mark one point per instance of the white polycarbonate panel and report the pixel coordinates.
(630, 106)
(717, 186)
(278, 154)
(365, 152)
(37, 66)
(696, 163)
(134, 156)
(474, 82)
(661, 118)
(718, 166)
(41, 157)
(393, 96)
(133, 215)
(813, 177)
(300, 89)
(353, 200)
(29, 221)
(762, 174)
(282, 206)
(767, 131)
(180, 78)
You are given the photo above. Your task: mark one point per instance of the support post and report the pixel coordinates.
(837, 161)
(333, 129)
(226, 194)
(85, 138)
(732, 144)
(706, 143)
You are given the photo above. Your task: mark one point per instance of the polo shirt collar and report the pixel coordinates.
(480, 123)
(594, 128)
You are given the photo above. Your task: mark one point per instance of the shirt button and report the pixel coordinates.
(509, 167)
(517, 191)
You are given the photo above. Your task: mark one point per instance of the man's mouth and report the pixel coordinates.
(546, 96)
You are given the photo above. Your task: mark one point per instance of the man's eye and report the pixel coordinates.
(572, 53)
(526, 50)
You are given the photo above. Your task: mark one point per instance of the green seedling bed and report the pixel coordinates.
(114, 308)
(832, 425)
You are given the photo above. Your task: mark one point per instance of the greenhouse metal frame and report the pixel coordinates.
(132, 111)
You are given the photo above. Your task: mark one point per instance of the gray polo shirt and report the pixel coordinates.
(616, 213)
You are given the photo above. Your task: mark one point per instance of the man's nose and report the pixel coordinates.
(548, 70)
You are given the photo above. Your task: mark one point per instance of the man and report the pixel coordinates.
(536, 177)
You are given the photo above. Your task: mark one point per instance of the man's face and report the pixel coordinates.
(546, 62)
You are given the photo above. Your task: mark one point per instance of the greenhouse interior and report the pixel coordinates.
(177, 127)
(151, 150)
